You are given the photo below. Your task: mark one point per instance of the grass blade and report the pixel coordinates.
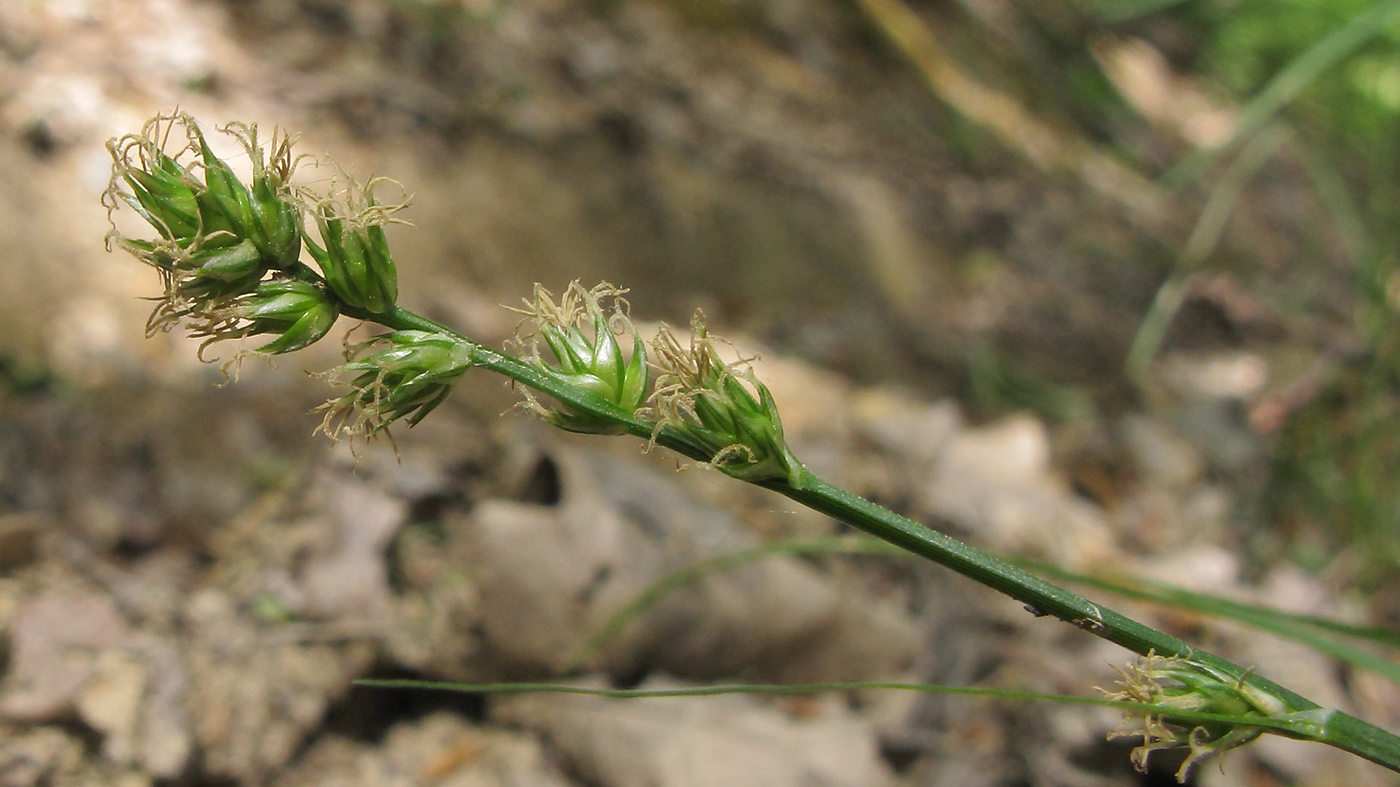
(1324, 635)
(1286, 85)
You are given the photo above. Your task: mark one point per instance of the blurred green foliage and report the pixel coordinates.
(1354, 105)
(1327, 71)
(998, 385)
(1335, 488)
(1335, 485)
(20, 379)
(1242, 46)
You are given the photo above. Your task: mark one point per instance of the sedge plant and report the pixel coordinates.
(268, 259)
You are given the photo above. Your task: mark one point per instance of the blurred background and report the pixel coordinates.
(1105, 283)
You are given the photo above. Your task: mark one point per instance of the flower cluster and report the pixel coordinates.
(218, 238)
(721, 408)
(404, 374)
(1185, 685)
(229, 256)
(229, 252)
(295, 312)
(355, 258)
(581, 333)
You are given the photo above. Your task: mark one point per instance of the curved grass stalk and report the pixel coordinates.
(1287, 84)
(650, 595)
(1323, 635)
(704, 408)
(1041, 598)
(1301, 726)
(1204, 239)
(1320, 634)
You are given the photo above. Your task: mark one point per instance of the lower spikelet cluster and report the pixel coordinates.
(404, 374)
(581, 332)
(1184, 685)
(719, 406)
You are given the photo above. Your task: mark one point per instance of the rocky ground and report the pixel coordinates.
(190, 581)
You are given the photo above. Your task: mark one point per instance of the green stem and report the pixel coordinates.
(401, 319)
(1301, 727)
(1040, 597)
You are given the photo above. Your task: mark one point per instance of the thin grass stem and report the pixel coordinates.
(1304, 726)
(1287, 84)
